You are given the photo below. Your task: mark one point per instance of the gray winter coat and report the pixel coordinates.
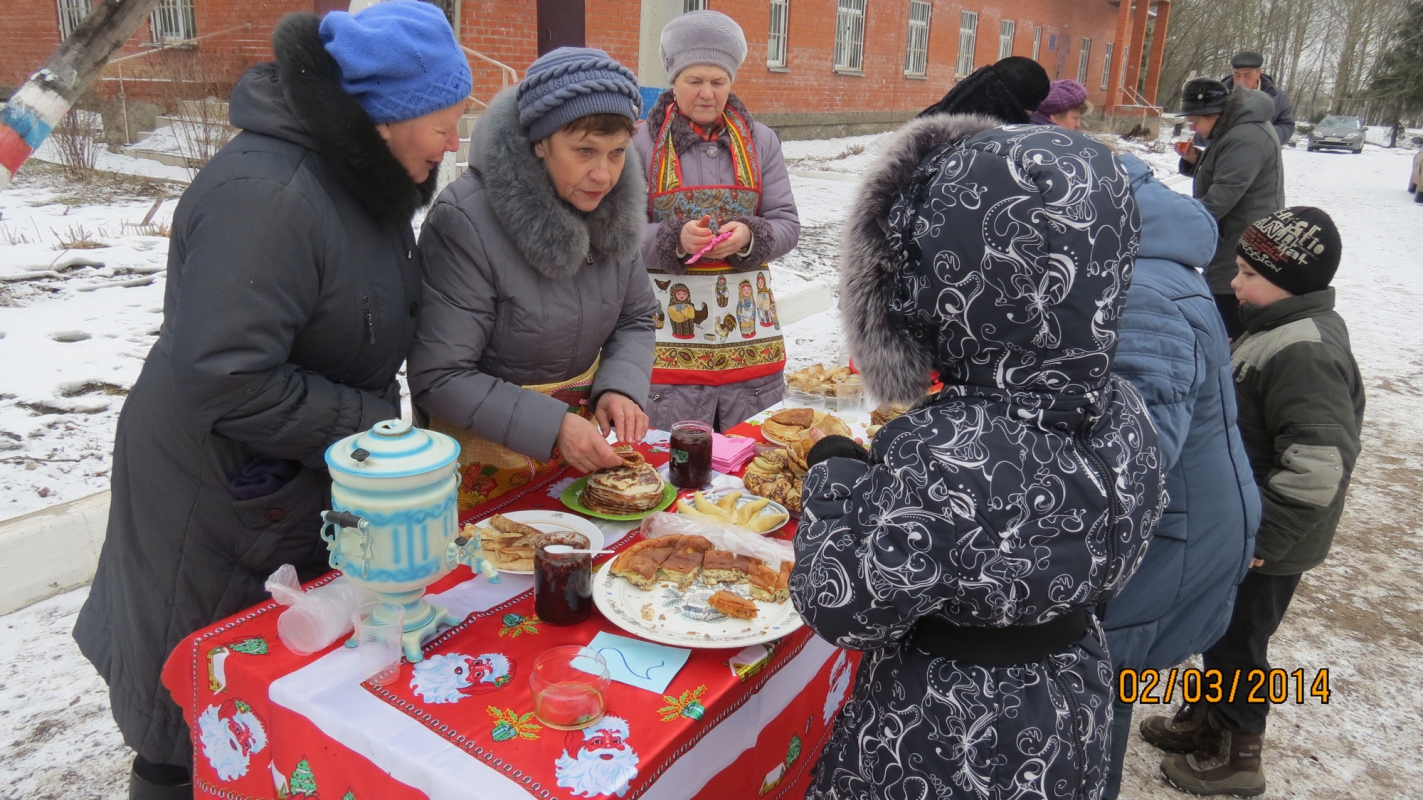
(1283, 120)
(521, 288)
(1240, 177)
(775, 231)
(292, 283)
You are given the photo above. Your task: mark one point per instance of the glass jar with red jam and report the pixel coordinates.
(691, 454)
(563, 582)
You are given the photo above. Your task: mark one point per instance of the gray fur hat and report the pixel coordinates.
(702, 37)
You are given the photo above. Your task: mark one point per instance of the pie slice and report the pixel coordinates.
(681, 567)
(642, 567)
(733, 605)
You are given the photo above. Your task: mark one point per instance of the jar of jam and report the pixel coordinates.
(563, 582)
(691, 454)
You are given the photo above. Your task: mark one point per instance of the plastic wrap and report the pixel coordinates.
(772, 552)
(316, 618)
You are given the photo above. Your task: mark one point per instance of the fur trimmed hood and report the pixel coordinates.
(998, 256)
(299, 99)
(552, 236)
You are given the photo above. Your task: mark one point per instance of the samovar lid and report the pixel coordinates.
(392, 449)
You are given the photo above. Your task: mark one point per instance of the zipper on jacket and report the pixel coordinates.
(1115, 509)
(370, 320)
(1078, 742)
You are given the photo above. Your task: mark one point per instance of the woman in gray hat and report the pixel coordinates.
(536, 318)
(721, 208)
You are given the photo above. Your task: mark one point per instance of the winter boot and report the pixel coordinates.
(1186, 731)
(149, 781)
(1233, 767)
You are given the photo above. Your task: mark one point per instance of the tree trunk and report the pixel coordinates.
(37, 106)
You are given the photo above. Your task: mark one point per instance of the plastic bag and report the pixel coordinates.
(772, 552)
(314, 619)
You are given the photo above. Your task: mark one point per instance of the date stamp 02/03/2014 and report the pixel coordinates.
(1277, 686)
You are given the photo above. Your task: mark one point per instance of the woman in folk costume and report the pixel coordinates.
(537, 319)
(711, 170)
(293, 279)
(965, 552)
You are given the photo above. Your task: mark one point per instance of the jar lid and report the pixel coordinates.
(392, 449)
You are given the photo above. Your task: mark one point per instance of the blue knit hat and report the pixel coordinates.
(573, 82)
(399, 59)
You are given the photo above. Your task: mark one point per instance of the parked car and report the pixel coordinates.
(1342, 132)
(1415, 180)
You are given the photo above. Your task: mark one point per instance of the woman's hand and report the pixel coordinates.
(696, 234)
(740, 237)
(617, 412)
(1257, 562)
(583, 446)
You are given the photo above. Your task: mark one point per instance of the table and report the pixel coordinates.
(268, 724)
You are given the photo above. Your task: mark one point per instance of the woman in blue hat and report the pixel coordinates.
(293, 287)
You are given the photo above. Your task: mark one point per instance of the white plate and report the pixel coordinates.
(684, 619)
(551, 522)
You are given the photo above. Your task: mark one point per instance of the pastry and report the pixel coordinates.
(777, 474)
(791, 425)
(770, 585)
(685, 559)
(886, 412)
(732, 605)
(722, 566)
(507, 544)
(632, 488)
(817, 379)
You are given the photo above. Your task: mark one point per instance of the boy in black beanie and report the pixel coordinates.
(1301, 404)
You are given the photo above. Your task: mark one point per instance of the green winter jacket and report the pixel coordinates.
(1301, 404)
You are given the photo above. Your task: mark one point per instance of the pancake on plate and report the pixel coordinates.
(631, 488)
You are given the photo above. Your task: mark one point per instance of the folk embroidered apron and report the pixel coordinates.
(488, 470)
(715, 325)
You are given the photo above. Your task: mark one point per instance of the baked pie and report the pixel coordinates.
(631, 488)
(794, 424)
(685, 559)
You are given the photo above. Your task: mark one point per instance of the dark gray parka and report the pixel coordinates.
(520, 288)
(1240, 177)
(292, 282)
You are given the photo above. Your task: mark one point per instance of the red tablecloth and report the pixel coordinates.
(269, 724)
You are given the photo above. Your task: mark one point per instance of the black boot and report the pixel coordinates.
(1185, 731)
(149, 781)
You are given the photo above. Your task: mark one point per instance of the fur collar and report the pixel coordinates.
(343, 132)
(683, 137)
(553, 237)
(896, 367)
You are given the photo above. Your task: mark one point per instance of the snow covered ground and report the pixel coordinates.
(72, 343)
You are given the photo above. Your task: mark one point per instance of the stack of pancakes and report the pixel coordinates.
(632, 488)
(684, 559)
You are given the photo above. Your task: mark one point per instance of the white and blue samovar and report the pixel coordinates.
(393, 526)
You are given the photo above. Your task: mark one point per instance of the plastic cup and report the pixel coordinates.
(379, 627)
(849, 394)
(569, 686)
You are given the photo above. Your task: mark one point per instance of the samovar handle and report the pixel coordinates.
(332, 524)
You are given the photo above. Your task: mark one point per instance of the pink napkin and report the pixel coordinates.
(731, 453)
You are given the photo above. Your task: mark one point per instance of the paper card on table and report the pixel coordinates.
(637, 663)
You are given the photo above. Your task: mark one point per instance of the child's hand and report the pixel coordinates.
(1257, 562)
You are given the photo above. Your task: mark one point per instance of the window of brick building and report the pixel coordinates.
(777, 40)
(1082, 60)
(71, 13)
(850, 36)
(1006, 29)
(916, 51)
(1037, 42)
(968, 40)
(693, 5)
(1107, 67)
(172, 21)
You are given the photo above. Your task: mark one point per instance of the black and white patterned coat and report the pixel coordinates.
(1000, 257)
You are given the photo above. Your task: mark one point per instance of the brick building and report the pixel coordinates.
(815, 67)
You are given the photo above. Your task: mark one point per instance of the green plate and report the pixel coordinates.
(570, 498)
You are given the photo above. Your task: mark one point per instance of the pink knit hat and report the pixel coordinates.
(1064, 95)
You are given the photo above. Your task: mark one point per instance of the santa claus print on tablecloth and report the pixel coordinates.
(230, 735)
(597, 760)
(839, 686)
(452, 677)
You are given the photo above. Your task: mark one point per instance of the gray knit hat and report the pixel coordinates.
(702, 37)
(572, 82)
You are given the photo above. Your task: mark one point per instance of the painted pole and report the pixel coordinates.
(37, 106)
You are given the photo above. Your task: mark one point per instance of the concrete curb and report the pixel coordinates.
(51, 551)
